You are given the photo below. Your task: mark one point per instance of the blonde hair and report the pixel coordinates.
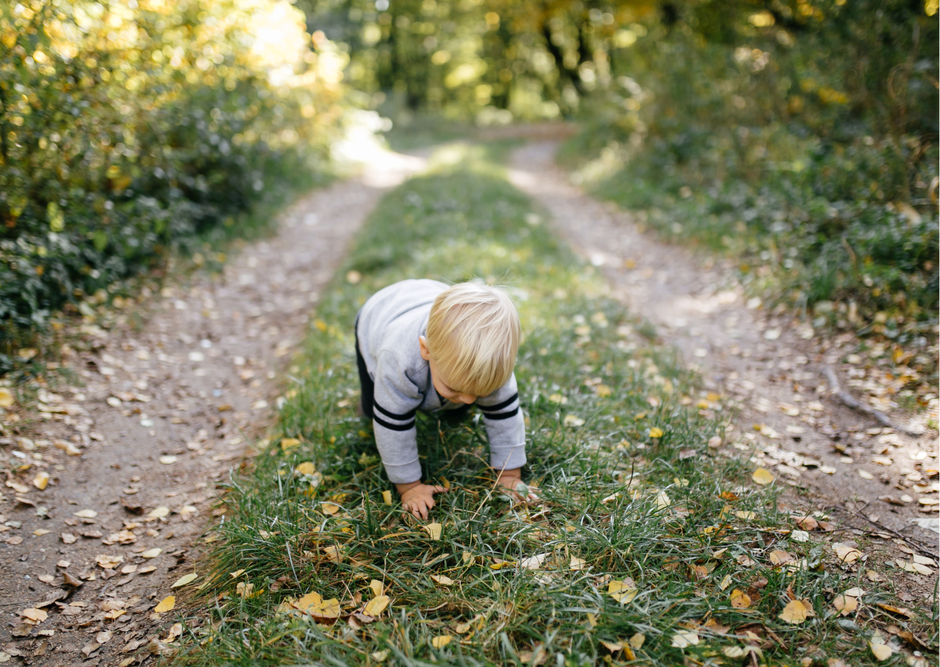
(473, 335)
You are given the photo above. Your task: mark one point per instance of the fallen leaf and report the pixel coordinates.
(636, 641)
(377, 587)
(532, 562)
(434, 530)
(441, 641)
(576, 563)
(845, 553)
(573, 420)
(381, 656)
(333, 553)
(762, 476)
(34, 616)
(108, 562)
(85, 514)
(152, 553)
(442, 580)
(185, 579)
(377, 605)
(387, 497)
(329, 508)
(795, 612)
(739, 599)
(685, 638)
(895, 610)
(725, 582)
(880, 650)
(6, 398)
(289, 443)
(41, 480)
(656, 432)
(845, 604)
(159, 512)
(168, 459)
(623, 591)
(166, 604)
(779, 557)
(613, 647)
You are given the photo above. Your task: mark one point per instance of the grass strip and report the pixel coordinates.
(648, 546)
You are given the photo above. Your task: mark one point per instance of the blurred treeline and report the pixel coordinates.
(129, 126)
(799, 134)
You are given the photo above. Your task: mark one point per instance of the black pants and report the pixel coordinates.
(365, 382)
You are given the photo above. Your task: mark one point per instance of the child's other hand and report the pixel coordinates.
(511, 481)
(418, 498)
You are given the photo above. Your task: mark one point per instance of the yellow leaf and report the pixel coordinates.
(434, 530)
(305, 468)
(739, 599)
(656, 432)
(289, 443)
(795, 612)
(308, 601)
(376, 605)
(333, 553)
(441, 641)
(603, 391)
(236, 573)
(613, 647)
(442, 580)
(158, 512)
(381, 656)
(845, 604)
(6, 397)
(880, 650)
(329, 508)
(377, 587)
(166, 604)
(577, 563)
(328, 609)
(41, 480)
(623, 591)
(725, 582)
(387, 497)
(152, 553)
(636, 641)
(762, 476)
(185, 579)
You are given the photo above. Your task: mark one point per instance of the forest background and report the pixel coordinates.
(798, 136)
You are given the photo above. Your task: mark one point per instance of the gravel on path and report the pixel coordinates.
(159, 410)
(765, 369)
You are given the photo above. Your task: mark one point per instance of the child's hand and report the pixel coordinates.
(418, 498)
(511, 481)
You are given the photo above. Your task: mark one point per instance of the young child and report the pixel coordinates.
(421, 345)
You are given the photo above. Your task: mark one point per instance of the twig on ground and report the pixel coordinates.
(911, 543)
(850, 401)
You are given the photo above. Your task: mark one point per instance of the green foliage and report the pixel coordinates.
(603, 482)
(126, 129)
(803, 140)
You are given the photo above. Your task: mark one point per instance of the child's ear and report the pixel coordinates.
(423, 344)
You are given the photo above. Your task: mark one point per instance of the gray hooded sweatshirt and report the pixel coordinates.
(388, 328)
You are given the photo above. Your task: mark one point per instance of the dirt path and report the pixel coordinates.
(156, 415)
(766, 369)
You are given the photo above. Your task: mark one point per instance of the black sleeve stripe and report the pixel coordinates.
(502, 415)
(394, 427)
(500, 406)
(392, 415)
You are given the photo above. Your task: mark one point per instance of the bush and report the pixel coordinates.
(127, 128)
